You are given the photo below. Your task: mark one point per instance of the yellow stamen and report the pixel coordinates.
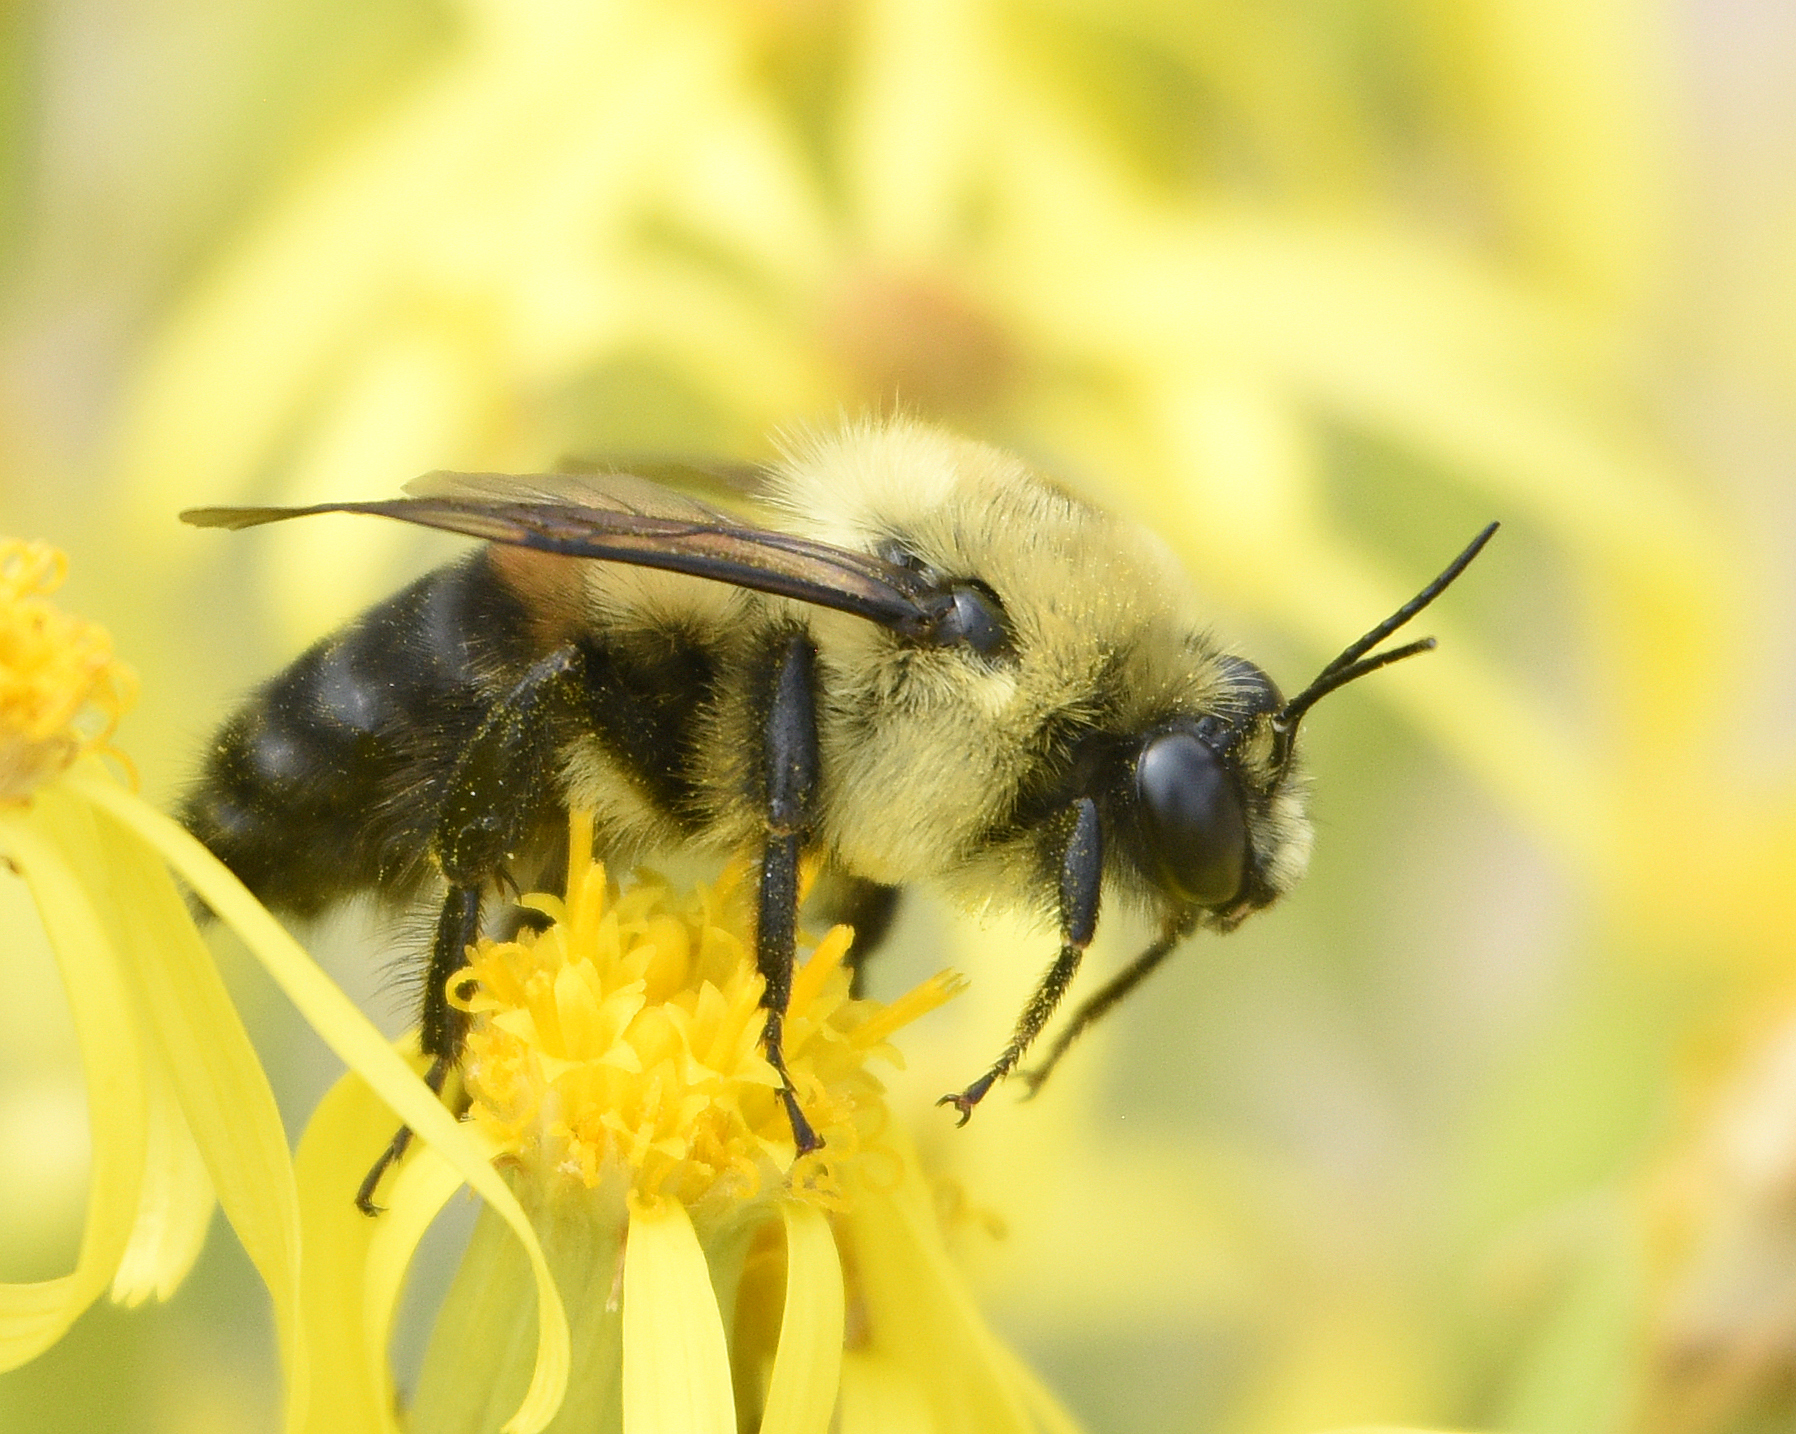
(813, 976)
(623, 1042)
(61, 690)
(938, 990)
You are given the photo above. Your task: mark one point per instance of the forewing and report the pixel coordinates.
(617, 492)
(725, 483)
(681, 535)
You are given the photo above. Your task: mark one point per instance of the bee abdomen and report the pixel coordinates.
(327, 781)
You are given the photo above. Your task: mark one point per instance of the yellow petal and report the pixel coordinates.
(880, 1396)
(676, 1363)
(34, 1316)
(414, 1197)
(355, 1040)
(215, 1073)
(176, 1200)
(808, 1363)
(920, 1311)
(346, 1131)
(174, 1208)
(355, 1266)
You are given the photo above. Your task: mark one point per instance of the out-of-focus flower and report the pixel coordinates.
(714, 1279)
(1723, 1231)
(178, 1105)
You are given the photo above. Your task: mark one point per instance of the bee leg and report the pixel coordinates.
(868, 907)
(440, 1028)
(1113, 991)
(1081, 881)
(789, 780)
(399, 1144)
(494, 797)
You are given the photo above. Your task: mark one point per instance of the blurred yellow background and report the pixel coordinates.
(1493, 1123)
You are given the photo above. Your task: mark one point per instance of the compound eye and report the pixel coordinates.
(976, 620)
(1191, 814)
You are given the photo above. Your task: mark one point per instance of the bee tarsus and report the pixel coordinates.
(434, 1077)
(1081, 887)
(1098, 1004)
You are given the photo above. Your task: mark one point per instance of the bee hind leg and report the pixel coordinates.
(441, 1028)
(868, 908)
(1081, 881)
(495, 797)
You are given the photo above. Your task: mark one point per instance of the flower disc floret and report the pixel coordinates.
(61, 690)
(624, 1042)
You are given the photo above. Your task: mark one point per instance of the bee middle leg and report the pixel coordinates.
(494, 799)
(1081, 882)
(789, 787)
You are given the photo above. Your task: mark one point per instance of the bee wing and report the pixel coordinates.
(623, 491)
(644, 524)
(726, 483)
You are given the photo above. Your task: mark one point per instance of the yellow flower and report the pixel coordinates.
(180, 1109)
(714, 1279)
(177, 1101)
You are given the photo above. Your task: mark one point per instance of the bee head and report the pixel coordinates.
(1217, 817)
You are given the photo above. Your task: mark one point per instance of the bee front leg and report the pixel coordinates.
(1113, 991)
(789, 789)
(494, 798)
(1081, 882)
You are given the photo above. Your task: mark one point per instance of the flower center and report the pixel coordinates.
(61, 690)
(624, 1042)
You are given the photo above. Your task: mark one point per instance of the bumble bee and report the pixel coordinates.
(924, 664)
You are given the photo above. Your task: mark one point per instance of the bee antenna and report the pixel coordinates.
(1354, 663)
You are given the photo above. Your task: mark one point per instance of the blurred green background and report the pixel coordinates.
(1493, 1123)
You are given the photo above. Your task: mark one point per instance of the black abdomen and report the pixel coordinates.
(326, 782)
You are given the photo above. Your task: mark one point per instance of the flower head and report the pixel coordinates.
(177, 1102)
(180, 1109)
(714, 1279)
(61, 690)
(622, 1044)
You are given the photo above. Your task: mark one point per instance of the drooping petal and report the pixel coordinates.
(34, 1316)
(199, 1039)
(415, 1195)
(355, 1040)
(347, 1128)
(676, 1363)
(808, 1363)
(920, 1311)
(354, 1266)
(175, 1206)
